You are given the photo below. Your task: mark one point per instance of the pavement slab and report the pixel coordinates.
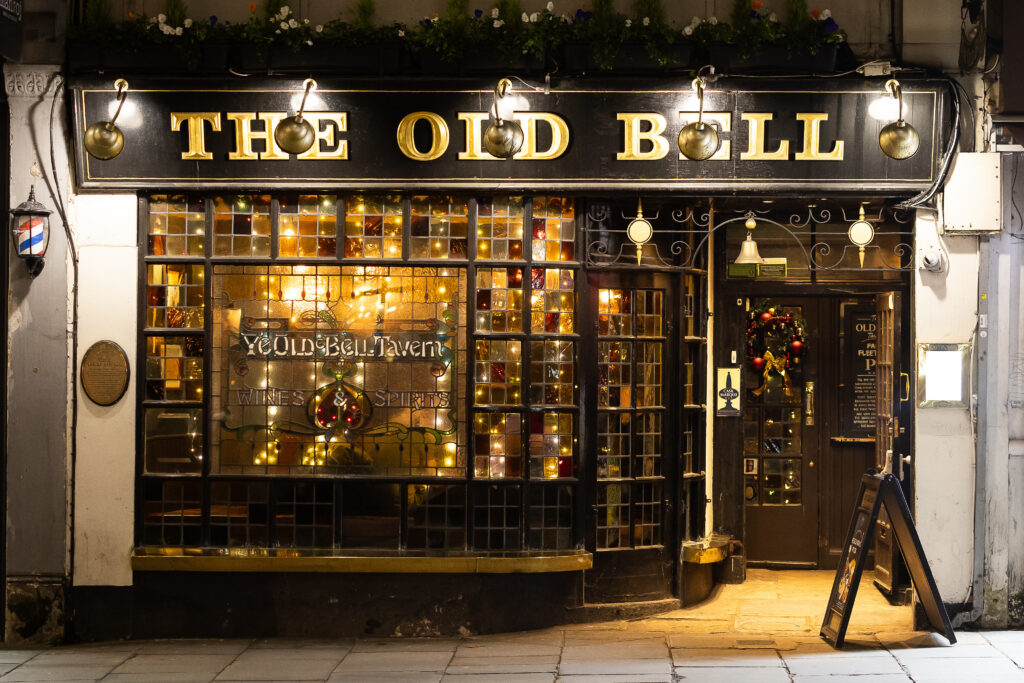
(731, 674)
(360, 662)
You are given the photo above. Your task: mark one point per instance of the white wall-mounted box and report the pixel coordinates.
(972, 197)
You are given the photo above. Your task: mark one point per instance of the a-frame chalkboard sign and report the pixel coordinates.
(877, 490)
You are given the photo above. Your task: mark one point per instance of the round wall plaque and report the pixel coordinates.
(105, 373)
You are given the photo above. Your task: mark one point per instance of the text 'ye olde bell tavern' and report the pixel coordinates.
(333, 339)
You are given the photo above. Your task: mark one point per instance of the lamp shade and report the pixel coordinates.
(30, 230)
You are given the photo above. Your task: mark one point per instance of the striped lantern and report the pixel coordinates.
(30, 229)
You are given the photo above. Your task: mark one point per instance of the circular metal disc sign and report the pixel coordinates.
(105, 373)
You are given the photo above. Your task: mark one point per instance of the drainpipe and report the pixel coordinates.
(979, 404)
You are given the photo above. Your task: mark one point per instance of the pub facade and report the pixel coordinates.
(394, 384)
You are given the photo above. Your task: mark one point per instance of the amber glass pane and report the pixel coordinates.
(177, 225)
(440, 226)
(308, 226)
(499, 229)
(373, 226)
(241, 225)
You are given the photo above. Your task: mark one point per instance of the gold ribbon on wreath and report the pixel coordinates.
(778, 365)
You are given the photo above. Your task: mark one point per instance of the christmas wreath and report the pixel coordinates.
(775, 343)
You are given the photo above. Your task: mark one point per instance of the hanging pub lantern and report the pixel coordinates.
(503, 137)
(30, 230)
(898, 140)
(295, 134)
(103, 139)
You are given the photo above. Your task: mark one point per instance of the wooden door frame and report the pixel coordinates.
(729, 508)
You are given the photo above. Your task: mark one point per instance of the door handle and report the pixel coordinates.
(809, 404)
(905, 393)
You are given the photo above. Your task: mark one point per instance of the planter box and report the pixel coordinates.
(631, 58)
(84, 57)
(772, 59)
(430, 62)
(333, 59)
(247, 58)
(492, 61)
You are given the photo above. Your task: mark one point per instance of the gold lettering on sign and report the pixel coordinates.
(634, 136)
(474, 138)
(812, 140)
(325, 134)
(724, 121)
(757, 133)
(244, 136)
(196, 131)
(438, 136)
(559, 135)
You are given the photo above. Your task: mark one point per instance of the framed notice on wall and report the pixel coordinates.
(857, 402)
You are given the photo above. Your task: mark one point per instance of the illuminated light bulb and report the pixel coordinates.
(263, 384)
(448, 462)
(272, 410)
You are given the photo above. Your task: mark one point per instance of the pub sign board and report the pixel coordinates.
(798, 137)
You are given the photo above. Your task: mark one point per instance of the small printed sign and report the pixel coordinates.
(727, 398)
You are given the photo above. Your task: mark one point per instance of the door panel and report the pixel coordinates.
(780, 444)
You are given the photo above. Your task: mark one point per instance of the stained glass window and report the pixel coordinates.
(440, 227)
(177, 225)
(241, 225)
(308, 225)
(373, 226)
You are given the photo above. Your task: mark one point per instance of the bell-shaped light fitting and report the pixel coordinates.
(103, 139)
(503, 137)
(699, 141)
(748, 249)
(30, 230)
(295, 134)
(899, 139)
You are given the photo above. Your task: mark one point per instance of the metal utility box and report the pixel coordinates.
(972, 198)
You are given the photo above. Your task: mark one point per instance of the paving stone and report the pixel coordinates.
(492, 665)
(210, 646)
(827, 665)
(499, 649)
(264, 665)
(635, 649)
(191, 663)
(405, 645)
(385, 677)
(394, 661)
(702, 640)
(303, 644)
(964, 669)
(18, 656)
(62, 657)
(730, 674)
(500, 678)
(725, 657)
(615, 667)
(617, 678)
(947, 651)
(26, 672)
(869, 678)
(158, 678)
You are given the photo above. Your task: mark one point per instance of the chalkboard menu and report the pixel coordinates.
(875, 491)
(859, 409)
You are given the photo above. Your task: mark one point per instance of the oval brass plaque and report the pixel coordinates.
(105, 373)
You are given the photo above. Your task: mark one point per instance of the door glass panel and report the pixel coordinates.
(630, 417)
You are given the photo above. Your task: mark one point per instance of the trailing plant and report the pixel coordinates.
(650, 26)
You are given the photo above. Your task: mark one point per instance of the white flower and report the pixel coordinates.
(284, 25)
(178, 31)
(494, 13)
(162, 18)
(826, 13)
(306, 22)
(687, 30)
(565, 17)
(694, 21)
(647, 21)
(498, 23)
(526, 18)
(319, 28)
(551, 7)
(774, 18)
(278, 31)
(401, 33)
(188, 23)
(534, 17)
(293, 23)
(152, 20)
(629, 22)
(285, 11)
(713, 20)
(309, 42)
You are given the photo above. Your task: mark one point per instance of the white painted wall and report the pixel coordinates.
(946, 312)
(106, 231)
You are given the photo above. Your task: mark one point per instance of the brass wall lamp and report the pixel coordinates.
(295, 134)
(103, 139)
(899, 139)
(698, 141)
(503, 137)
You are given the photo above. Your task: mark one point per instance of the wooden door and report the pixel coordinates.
(634, 437)
(780, 432)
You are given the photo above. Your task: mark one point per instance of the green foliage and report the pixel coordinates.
(364, 13)
(176, 11)
(796, 13)
(740, 17)
(97, 13)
